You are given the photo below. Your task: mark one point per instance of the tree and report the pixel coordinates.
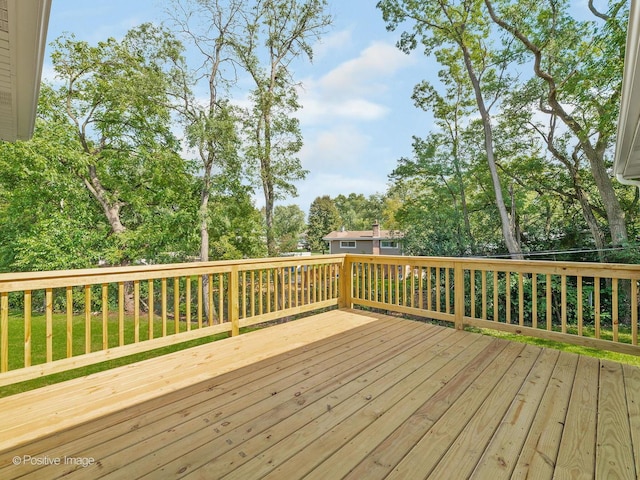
(288, 224)
(211, 26)
(579, 73)
(323, 219)
(114, 119)
(277, 32)
(457, 34)
(358, 212)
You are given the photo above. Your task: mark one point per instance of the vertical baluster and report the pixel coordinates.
(210, 291)
(472, 291)
(260, 288)
(484, 294)
(548, 298)
(438, 281)
(27, 328)
(634, 311)
(614, 308)
(429, 290)
(447, 289)
(4, 332)
(69, 308)
(187, 302)
(150, 319)
(120, 313)
(221, 291)
(579, 303)
(596, 299)
(163, 304)
(87, 319)
(176, 304)
(520, 299)
(413, 271)
(105, 316)
(253, 293)
(534, 300)
(49, 323)
(200, 303)
(507, 296)
(268, 292)
(496, 297)
(136, 311)
(563, 303)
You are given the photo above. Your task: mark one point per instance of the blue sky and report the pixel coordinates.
(357, 117)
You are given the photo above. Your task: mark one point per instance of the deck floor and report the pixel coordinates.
(343, 394)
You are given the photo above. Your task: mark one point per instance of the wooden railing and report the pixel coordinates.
(54, 321)
(589, 304)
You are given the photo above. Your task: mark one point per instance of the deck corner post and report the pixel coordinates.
(234, 304)
(458, 290)
(345, 281)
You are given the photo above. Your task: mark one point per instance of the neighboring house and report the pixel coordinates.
(374, 241)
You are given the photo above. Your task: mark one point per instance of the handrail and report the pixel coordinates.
(52, 321)
(589, 304)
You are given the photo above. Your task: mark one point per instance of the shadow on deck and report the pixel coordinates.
(343, 394)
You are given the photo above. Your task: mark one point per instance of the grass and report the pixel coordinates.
(568, 347)
(38, 345)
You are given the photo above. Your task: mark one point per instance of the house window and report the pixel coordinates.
(348, 244)
(388, 244)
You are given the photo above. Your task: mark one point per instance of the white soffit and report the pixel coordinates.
(627, 159)
(23, 35)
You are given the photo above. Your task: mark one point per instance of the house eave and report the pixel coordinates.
(627, 156)
(23, 36)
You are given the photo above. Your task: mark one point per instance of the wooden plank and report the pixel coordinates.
(187, 370)
(502, 452)
(223, 404)
(475, 404)
(576, 456)
(632, 386)
(266, 414)
(540, 451)
(330, 412)
(252, 378)
(456, 399)
(614, 454)
(389, 436)
(466, 450)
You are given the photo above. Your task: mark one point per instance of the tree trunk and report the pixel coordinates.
(508, 228)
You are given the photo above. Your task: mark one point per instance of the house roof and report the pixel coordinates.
(23, 35)
(362, 235)
(627, 158)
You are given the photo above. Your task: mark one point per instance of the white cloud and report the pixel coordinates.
(338, 148)
(354, 89)
(365, 74)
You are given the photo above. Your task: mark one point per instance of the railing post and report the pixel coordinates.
(234, 305)
(458, 285)
(345, 282)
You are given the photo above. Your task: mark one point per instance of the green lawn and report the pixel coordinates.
(38, 344)
(624, 337)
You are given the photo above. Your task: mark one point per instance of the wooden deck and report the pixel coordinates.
(343, 394)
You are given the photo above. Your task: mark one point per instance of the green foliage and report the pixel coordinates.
(323, 219)
(288, 225)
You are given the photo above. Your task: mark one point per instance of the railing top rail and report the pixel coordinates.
(587, 269)
(19, 281)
